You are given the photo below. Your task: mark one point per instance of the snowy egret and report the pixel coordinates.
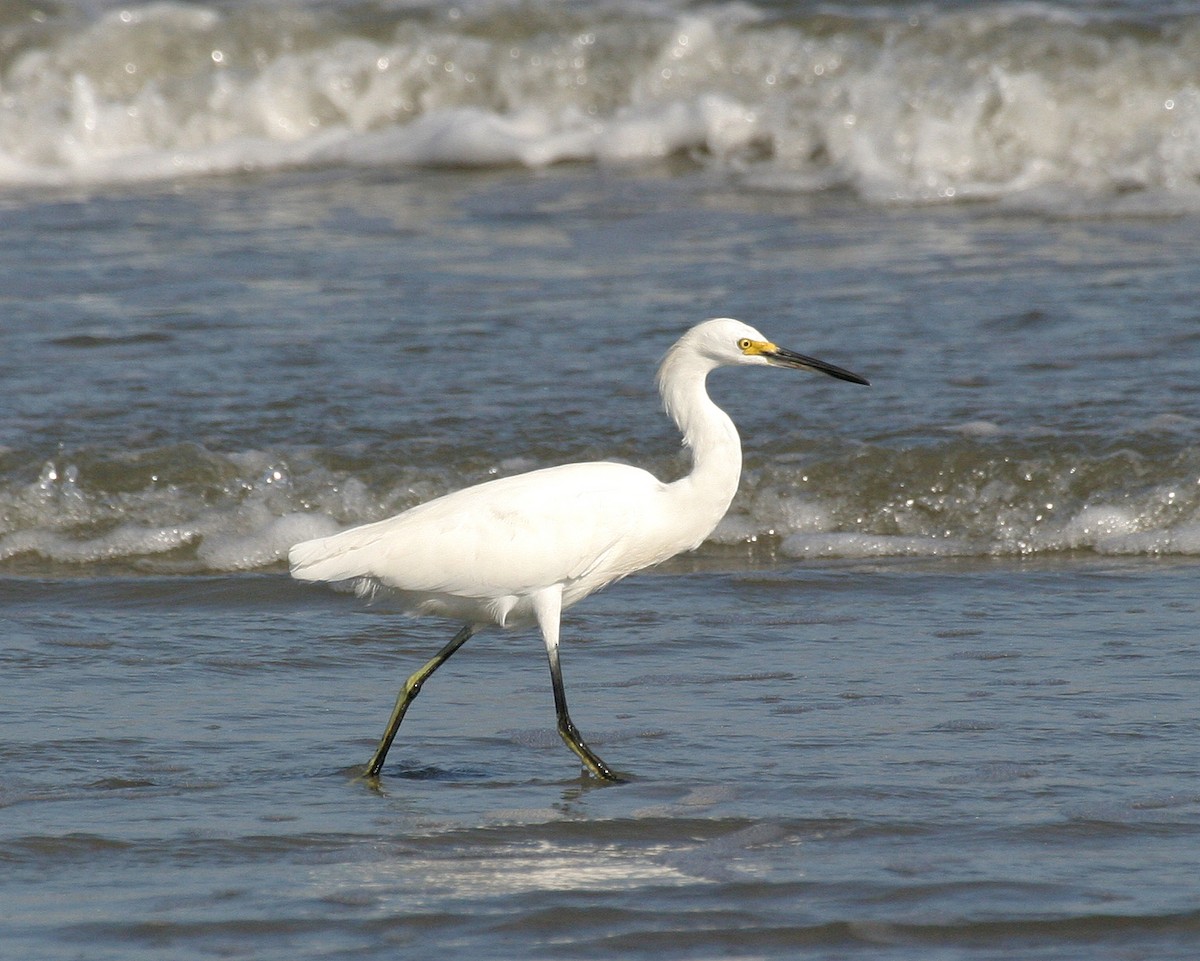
(520, 550)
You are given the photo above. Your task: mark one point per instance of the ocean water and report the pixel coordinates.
(271, 270)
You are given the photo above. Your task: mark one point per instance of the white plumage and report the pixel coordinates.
(480, 554)
(519, 550)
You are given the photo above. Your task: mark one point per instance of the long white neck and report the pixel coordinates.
(706, 492)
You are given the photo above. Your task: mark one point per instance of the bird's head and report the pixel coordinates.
(729, 342)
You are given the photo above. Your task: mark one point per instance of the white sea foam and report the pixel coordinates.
(846, 544)
(264, 542)
(122, 543)
(977, 428)
(1007, 102)
(185, 508)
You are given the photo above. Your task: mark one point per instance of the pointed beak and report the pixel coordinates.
(782, 357)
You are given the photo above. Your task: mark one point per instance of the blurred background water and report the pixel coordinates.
(278, 268)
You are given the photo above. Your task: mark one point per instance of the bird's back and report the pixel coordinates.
(479, 553)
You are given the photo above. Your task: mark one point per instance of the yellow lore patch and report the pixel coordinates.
(752, 348)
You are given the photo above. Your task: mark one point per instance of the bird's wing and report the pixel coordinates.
(505, 537)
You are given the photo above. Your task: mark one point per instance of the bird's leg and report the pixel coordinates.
(567, 730)
(548, 607)
(411, 688)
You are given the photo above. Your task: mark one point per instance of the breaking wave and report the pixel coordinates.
(897, 102)
(187, 509)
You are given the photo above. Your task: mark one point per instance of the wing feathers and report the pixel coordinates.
(505, 537)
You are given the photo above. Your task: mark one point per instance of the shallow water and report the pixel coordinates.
(906, 760)
(928, 692)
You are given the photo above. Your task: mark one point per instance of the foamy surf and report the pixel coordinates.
(1010, 102)
(203, 511)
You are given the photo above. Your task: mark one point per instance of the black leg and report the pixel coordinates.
(411, 688)
(566, 727)
(547, 607)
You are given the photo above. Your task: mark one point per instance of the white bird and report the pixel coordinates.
(520, 550)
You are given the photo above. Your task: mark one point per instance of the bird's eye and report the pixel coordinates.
(744, 344)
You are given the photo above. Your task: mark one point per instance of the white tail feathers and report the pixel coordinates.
(319, 560)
